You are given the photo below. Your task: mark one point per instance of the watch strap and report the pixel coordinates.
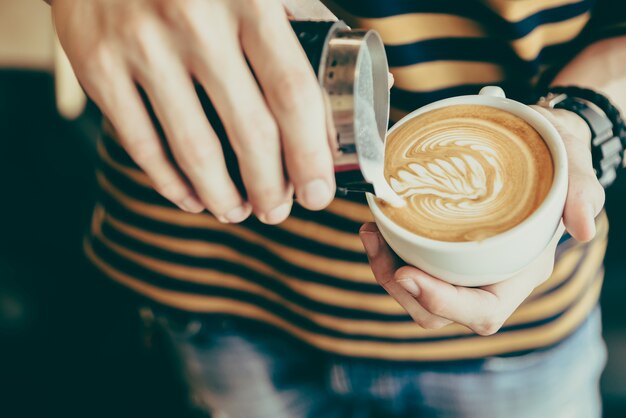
(607, 127)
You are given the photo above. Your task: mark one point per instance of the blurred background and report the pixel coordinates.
(70, 343)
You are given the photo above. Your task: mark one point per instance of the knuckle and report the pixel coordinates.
(144, 151)
(310, 160)
(98, 58)
(266, 129)
(264, 197)
(309, 165)
(145, 49)
(188, 15)
(195, 155)
(586, 188)
(581, 184)
(97, 66)
(102, 56)
(140, 32)
(134, 22)
(295, 89)
(599, 195)
(432, 323)
(487, 328)
(260, 142)
(186, 5)
(172, 190)
(403, 271)
(435, 304)
(254, 8)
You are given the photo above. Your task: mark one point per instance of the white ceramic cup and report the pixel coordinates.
(480, 263)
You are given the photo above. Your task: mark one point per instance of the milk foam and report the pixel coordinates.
(459, 179)
(466, 172)
(369, 143)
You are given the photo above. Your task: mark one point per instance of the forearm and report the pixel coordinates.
(600, 67)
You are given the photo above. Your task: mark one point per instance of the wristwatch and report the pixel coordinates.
(607, 147)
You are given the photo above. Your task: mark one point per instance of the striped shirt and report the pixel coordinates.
(308, 277)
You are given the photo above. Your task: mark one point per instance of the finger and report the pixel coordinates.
(248, 122)
(294, 97)
(193, 142)
(122, 104)
(383, 261)
(384, 264)
(237, 98)
(484, 310)
(585, 196)
(472, 307)
(390, 80)
(308, 10)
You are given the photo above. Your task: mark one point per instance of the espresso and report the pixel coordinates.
(467, 172)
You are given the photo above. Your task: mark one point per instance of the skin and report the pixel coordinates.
(277, 127)
(434, 303)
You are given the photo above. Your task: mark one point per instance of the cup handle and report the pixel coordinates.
(493, 91)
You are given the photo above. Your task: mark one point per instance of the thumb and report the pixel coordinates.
(585, 195)
(383, 261)
(308, 9)
(584, 202)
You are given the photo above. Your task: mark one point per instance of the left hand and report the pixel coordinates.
(434, 303)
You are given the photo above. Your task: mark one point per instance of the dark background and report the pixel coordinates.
(70, 342)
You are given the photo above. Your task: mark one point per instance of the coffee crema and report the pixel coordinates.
(467, 172)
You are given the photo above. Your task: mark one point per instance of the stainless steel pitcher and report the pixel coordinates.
(336, 54)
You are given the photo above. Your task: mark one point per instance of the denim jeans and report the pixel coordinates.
(237, 373)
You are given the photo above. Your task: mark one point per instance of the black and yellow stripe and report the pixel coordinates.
(318, 290)
(439, 49)
(309, 277)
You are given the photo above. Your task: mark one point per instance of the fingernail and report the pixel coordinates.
(316, 194)
(369, 227)
(276, 215)
(192, 205)
(371, 243)
(238, 214)
(410, 286)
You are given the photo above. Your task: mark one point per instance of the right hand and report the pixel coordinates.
(163, 45)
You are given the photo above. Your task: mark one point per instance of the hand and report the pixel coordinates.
(585, 195)
(434, 303)
(275, 118)
(308, 9)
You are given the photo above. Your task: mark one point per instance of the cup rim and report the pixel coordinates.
(537, 121)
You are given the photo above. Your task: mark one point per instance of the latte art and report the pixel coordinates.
(468, 172)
